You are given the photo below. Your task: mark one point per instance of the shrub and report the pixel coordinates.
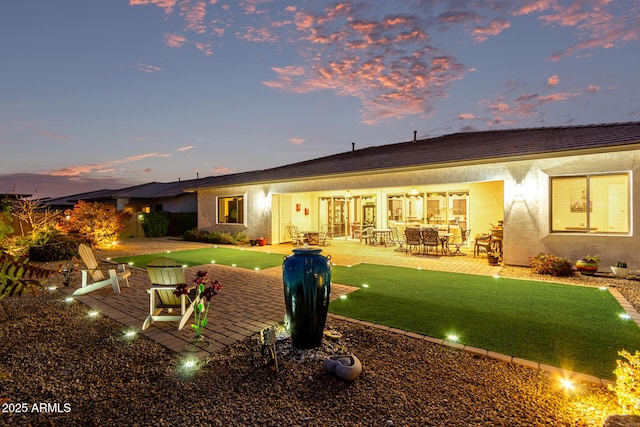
(155, 224)
(627, 386)
(97, 223)
(56, 248)
(221, 237)
(551, 264)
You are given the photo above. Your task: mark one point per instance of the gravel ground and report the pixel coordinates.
(89, 374)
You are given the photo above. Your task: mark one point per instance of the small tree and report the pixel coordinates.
(36, 215)
(97, 223)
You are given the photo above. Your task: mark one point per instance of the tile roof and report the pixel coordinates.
(155, 190)
(73, 199)
(447, 149)
(151, 190)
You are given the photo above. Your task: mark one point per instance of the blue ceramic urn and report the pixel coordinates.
(307, 285)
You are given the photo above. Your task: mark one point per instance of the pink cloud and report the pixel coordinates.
(495, 27)
(296, 141)
(553, 80)
(454, 17)
(592, 89)
(384, 62)
(185, 148)
(527, 105)
(222, 170)
(103, 167)
(600, 24)
(174, 40)
(257, 34)
(167, 5)
(53, 135)
(194, 15)
(466, 116)
(148, 68)
(534, 6)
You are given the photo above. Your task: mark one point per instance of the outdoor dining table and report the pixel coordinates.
(311, 237)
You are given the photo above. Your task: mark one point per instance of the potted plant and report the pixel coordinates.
(588, 264)
(620, 270)
(492, 258)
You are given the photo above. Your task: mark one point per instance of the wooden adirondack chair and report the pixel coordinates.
(100, 277)
(165, 274)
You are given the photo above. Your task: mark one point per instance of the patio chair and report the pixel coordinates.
(296, 237)
(94, 277)
(323, 235)
(165, 274)
(398, 239)
(430, 239)
(483, 243)
(368, 236)
(412, 239)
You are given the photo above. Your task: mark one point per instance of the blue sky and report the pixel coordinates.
(106, 94)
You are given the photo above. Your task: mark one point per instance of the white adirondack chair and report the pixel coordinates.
(94, 277)
(165, 274)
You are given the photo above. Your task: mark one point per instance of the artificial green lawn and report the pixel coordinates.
(226, 256)
(573, 327)
(577, 328)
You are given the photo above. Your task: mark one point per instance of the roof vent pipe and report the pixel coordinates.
(353, 146)
(415, 135)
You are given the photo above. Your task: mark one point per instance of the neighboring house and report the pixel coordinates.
(569, 191)
(140, 199)
(68, 202)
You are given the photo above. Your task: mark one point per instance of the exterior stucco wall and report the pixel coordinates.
(526, 217)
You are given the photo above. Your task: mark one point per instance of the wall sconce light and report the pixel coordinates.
(298, 207)
(306, 211)
(518, 190)
(347, 194)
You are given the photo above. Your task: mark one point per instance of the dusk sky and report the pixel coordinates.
(101, 94)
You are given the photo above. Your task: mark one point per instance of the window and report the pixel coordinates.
(231, 210)
(591, 204)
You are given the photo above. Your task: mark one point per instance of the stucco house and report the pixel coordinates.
(568, 191)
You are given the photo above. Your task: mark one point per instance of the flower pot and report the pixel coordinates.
(587, 268)
(261, 241)
(307, 286)
(253, 242)
(492, 259)
(620, 272)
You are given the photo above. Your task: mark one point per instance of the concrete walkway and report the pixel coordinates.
(253, 300)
